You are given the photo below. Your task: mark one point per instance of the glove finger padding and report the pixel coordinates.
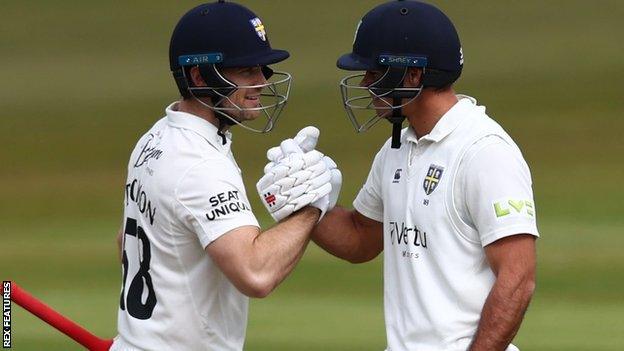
(272, 185)
(292, 167)
(309, 159)
(317, 169)
(268, 167)
(336, 181)
(290, 146)
(318, 198)
(310, 197)
(307, 138)
(275, 171)
(289, 186)
(312, 157)
(273, 175)
(308, 174)
(296, 191)
(294, 162)
(319, 181)
(314, 180)
(329, 162)
(274, 154)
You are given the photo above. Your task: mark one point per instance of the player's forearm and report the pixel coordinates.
(280, 248)
(338, 234)
(503, 312)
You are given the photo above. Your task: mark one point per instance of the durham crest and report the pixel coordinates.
(434, 174)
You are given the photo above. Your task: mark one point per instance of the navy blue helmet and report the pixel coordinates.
(417, 32)
(219, 35)
(392, 38)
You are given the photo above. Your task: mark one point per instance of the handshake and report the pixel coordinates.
(297, 175)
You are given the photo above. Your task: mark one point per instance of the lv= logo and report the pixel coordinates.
(509, 207)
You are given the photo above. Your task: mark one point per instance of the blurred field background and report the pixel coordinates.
(81, 80)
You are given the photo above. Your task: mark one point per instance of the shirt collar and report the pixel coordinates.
(198, 125)
(447, 124)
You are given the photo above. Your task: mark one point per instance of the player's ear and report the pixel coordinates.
(413, 77)
(196, 77)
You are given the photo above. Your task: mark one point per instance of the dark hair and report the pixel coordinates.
(439, 80)
(181, 82)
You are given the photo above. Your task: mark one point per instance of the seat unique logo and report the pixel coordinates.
(434, 174)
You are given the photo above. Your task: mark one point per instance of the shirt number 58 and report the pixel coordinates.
(142, 280)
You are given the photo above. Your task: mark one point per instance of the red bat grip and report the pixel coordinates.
(58, 321)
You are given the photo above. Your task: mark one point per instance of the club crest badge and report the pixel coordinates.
(434, 174)
(259, 27)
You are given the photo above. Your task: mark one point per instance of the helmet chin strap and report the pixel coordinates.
(387, 85)
(396, 119)
(223, 122)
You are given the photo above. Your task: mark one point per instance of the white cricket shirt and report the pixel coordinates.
(183, 191)
(442, 198)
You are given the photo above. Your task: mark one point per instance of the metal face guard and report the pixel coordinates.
(358, 100)
(273, 98)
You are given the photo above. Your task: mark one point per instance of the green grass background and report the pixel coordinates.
(81, 80)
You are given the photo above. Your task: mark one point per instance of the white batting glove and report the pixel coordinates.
(335, 181)
(296, 181)
(307, 139)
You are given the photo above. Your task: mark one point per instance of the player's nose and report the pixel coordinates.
(367, 79)
(259, 78)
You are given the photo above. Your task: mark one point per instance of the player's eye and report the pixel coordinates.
(371, 77)
(375, 75)
(250, 70)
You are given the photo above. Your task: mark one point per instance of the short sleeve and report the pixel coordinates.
(212, 201)
(369, 201)
(496, 197)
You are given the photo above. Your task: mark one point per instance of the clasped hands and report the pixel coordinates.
(298, 175)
